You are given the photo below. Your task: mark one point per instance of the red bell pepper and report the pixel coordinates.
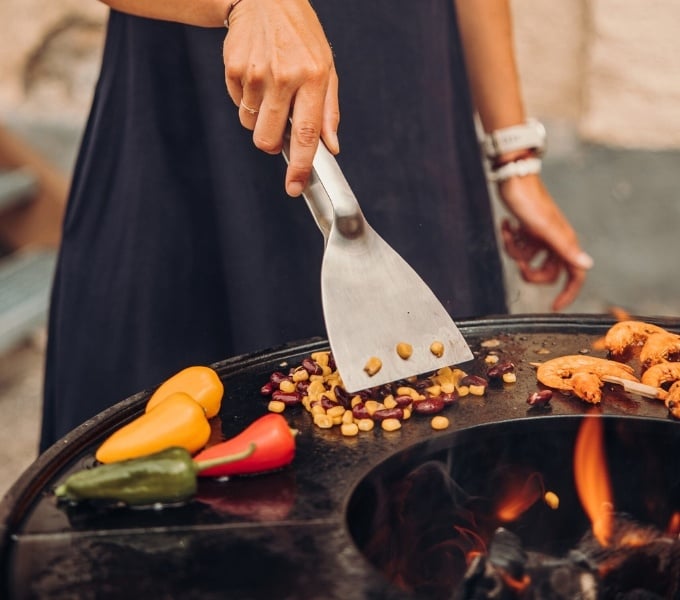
(274, 444)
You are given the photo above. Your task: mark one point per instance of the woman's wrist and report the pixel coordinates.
(515, 164)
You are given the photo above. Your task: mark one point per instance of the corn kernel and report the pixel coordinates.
(300, 375)
(477, 390)
(323, 421)
(317, 409)
(552, 500)
(336, 411)
(404, 350)
(458, 375)
(491, 359)
(321, 358)
(439, 422)
(348, 417)
(407, 414)
(365, 424)
(276, 406)
(356, 400)
(405, 390)
(373, 365)
(437, 348)
(389, 401)
(372, 406)
(434, 390)
(463, 390)
(287, 386)
(391, 424)
(349, 429)
(509, 377)
(448, 388)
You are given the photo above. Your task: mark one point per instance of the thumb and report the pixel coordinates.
(580, 259)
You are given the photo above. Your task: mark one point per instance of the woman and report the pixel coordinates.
(180, 245)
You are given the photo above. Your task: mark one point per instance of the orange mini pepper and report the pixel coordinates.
(176, 421)
(201, 383)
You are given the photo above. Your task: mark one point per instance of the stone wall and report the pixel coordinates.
(609, 67)
(51, 52)
(605, 68)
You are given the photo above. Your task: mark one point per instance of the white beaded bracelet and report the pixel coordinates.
(517, 168)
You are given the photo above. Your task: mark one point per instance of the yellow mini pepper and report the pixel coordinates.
(201, 383)
(178, 420)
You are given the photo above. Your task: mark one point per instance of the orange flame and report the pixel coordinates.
(674, 524)
(592, 478)
(517, 501)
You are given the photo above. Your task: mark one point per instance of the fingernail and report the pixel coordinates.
(295, 188)
(333, 143)
(584, 261)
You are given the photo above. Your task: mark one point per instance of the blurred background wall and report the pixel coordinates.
(604, 75)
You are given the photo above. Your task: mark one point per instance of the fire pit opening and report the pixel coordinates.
(551, 507)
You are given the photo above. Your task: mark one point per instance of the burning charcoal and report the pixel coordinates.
(483, 582)
(506, 553)
(509, 572)
(639, 562)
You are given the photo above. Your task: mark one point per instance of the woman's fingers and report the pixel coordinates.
(539, 264)
(331, 115)
(575, 279)
(279, 65)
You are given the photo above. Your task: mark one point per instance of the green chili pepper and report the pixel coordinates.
(168, 476)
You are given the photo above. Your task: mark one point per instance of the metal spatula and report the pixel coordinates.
(372, 299)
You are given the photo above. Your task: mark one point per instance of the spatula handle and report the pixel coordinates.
(315, 195)
(328, 195)
(349, 219)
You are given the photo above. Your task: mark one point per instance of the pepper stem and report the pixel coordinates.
(224, 460)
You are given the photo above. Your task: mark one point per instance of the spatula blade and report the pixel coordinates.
(372, 301)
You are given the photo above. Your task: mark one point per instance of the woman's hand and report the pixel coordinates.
(277, 57)
(542, 229)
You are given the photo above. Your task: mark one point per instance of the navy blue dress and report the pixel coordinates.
(180, 246)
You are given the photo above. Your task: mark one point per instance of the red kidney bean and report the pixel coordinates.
(277, 377)
(541, 398)
(499, 369)
(359, 411)
(268, 388)
(343, 396)
(327, 403)
(403, 401)
(365, 395)
(312, 367)
(288, 398)
(449, 398)
(429, 406)
(383, 391)
(388, 413)
(423, 384)
(331, 362)
(302, 386)
(474, 380)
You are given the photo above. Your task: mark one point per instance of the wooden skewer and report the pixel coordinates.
(647, 391)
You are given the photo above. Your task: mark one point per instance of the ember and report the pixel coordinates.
(468, 521)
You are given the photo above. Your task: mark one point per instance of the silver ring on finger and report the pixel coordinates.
(248, 109)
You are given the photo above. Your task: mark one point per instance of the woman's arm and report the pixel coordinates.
(203, 13)
(486, 31)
